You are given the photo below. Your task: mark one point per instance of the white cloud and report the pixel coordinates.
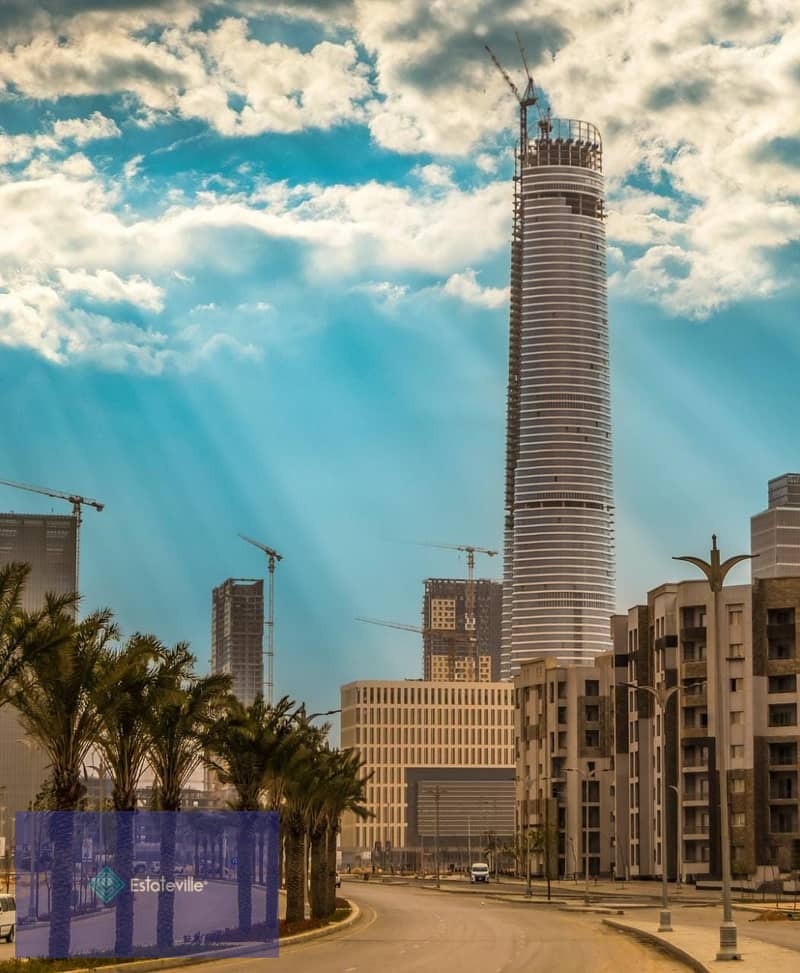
(83, 130)
(258, 306)
(105, 285)
(465, 287)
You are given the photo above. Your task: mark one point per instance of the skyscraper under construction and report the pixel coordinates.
(558, 585)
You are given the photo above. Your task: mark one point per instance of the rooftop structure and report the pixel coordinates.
(775, 532)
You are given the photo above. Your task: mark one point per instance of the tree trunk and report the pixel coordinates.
(123, 866)
(319, 873)
(61, 833)
(166, 899)
(295, 893)
(244, 869)
(271, 878)
(330, 884)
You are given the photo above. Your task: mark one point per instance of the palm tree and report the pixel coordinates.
(18, 627)
(54, 692)
(244, 747)
(184, 707)
(344, 790)
(303, 780)
(126, 692)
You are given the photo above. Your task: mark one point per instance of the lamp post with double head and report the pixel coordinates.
(662, 695)
(715, 571)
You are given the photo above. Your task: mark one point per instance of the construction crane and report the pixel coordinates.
(470, 625)
(77, 501)
(528, 99)
(451, 637)
(272, 558)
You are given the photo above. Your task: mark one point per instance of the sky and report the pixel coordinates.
(253, 278)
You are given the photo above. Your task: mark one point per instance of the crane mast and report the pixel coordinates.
(272, 558)
(77, 501)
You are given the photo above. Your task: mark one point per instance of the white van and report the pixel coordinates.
(8, 917)
(479, 872)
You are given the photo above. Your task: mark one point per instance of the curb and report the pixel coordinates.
(651, 939)
(302, 937)
(169, 962)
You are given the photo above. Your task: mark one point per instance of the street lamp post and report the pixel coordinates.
(678, 837)
(662, 696)
(715, 572)
(585, 810)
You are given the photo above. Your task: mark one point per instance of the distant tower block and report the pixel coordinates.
(558, 584)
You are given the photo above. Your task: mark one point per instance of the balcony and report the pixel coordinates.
(695, 669)
(694, 699)
(696, 832)
(695, 796)
(695, 633)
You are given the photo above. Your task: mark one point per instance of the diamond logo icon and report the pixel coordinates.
(106, 884)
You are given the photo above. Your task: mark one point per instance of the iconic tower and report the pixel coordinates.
(558, 586)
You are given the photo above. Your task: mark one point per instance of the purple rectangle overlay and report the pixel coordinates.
(146, 883)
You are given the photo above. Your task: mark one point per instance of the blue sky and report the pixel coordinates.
(253, 270)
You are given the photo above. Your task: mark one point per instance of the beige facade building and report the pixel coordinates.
(422, 743)
(565, 763)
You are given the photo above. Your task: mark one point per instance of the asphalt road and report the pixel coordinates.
(404, 929)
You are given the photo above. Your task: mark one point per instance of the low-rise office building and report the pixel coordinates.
(423, 745)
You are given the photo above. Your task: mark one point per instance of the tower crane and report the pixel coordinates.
(451, 637)
(527, 99)
(77, 501)
(272, 558)
(470, 625)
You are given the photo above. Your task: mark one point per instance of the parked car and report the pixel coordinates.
(8, 917)
(479, 872)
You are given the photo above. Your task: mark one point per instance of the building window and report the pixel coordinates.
(736, 685)
(738, 819)
(783, 684)
(737, 716)
(592, 687)
(737, 751)
(737, 785)
(592, 738)
(736, 650)
(782, 714)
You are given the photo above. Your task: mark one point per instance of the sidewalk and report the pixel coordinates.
(698, 947)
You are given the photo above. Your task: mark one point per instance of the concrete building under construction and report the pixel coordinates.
(448, 651)
(558, 585)
(47, 543)
(237, 635)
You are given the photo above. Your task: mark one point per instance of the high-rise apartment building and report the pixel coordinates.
(47, 543)
(421, 743)
(448, 653)
(237, 635)
(775, 532)
(558, 585)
